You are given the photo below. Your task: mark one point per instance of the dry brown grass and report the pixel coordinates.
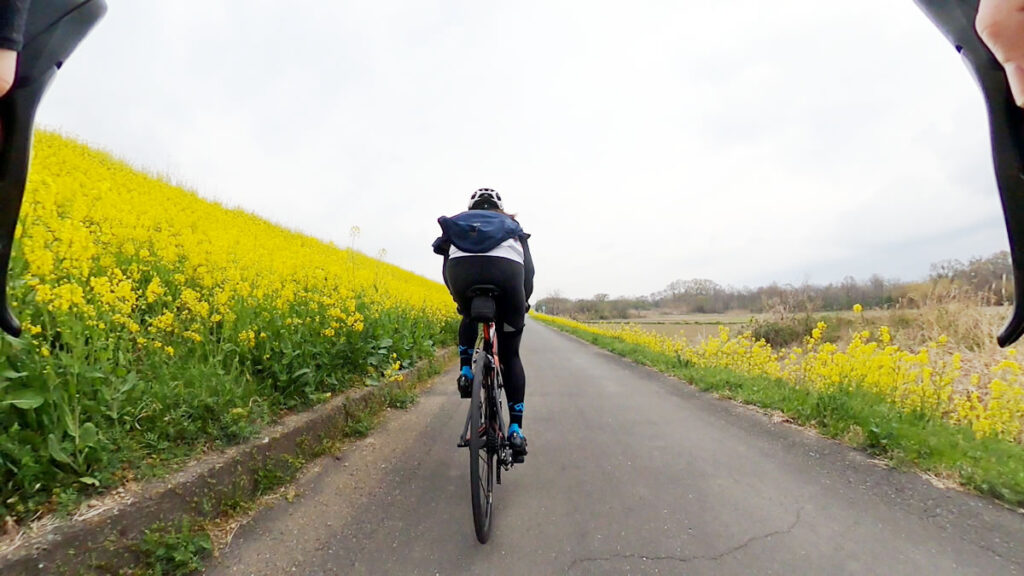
(970, 330)
(694, 327)
(969, 326)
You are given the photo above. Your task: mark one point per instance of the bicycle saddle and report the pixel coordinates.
(955, 18)
(484, 290)
(483, 307)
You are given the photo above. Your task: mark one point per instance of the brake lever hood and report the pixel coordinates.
(955, 18)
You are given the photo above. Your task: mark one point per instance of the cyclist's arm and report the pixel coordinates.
(441, 247)
(444, 272)
(528, 265)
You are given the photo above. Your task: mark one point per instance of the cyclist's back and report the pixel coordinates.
(486, 246)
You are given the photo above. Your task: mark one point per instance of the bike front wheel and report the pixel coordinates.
(481, 457)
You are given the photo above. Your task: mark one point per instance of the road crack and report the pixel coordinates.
(686, 559)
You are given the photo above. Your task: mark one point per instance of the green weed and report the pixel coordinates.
(174, 550)
(277, 473)
(360, 425)
(400, 398)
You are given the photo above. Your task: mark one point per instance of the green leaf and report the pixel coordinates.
(89, 480)
(56, 452)
(88, 434)
(129, 382)
(12, 375)
(69, 421)
(24, 399)
(301, 372)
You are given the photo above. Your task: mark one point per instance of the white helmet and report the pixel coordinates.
(485, 199)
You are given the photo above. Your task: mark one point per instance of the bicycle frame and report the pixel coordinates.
(487, 352)
(484, 433)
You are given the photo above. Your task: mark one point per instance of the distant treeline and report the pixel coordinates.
(988, 280)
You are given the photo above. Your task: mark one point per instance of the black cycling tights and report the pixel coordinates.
(512, 374)
(461, 274)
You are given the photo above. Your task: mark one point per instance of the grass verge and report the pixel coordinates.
(183, 548)
(179, 527)
(906, 439)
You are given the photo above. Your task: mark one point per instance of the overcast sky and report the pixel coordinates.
(639, 142)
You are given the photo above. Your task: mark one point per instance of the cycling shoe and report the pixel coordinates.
(465, 382)
(517, 441)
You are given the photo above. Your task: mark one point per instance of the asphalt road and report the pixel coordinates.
(629, 472)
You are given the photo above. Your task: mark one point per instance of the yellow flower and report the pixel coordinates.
(913, 381)
(155, 290)
(126, 258)
(163, 322)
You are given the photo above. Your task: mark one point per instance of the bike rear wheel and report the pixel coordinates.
(481, 457)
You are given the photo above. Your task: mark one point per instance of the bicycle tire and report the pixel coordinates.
(481, 460)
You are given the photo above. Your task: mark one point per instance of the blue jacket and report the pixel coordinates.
(479, 232)
(476, 231)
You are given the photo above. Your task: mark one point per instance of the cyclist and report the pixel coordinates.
(486, 245)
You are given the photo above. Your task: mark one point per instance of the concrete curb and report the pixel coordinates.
(102, 542)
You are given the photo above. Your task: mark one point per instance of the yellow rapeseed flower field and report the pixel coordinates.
(922, 380)
(156, 320)
(105, 242)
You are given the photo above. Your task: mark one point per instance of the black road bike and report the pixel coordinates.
(485, 432)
